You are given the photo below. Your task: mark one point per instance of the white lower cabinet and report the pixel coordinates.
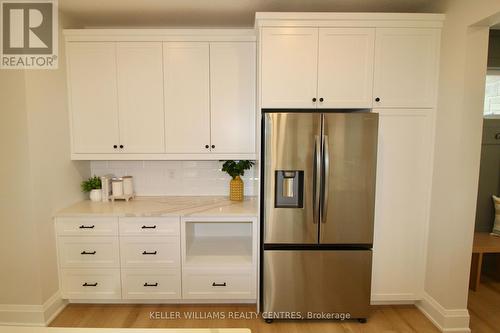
(150, 262)
(90, 283)
(218, 284)
(139, 258)
(150, 251)
(151, 283)
(76, 226)
(152, 226)
(88, 251)
(219, 258)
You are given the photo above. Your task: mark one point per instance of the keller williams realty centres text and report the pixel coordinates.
(209, 315)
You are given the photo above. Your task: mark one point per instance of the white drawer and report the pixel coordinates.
(87, 226)
(155, 226)
(91, 283)
(154, 252)
(80, 252)
(151, 283)
(201, 284)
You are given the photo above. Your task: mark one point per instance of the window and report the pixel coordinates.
(492, 94)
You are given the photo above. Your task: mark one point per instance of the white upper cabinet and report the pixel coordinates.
(289, 58)
(232, 88)
(162, 94)
(406, 62)
(93, 97)
(317, 67)
(187, 100)
(140, 97)
(345, 67)
(116, 96)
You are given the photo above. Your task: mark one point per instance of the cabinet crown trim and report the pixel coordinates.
(165, 35)
(349, 19)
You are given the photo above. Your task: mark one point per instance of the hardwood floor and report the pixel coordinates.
(484, 307)
(404, 318)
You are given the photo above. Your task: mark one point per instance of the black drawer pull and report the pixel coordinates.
(89, 284)
(219, 284)
(497, 136)
(148, 227)
(85, 252)
(151, 285)
(87, 226)
(149, 253)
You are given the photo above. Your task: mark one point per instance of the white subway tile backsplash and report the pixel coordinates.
(154, 178)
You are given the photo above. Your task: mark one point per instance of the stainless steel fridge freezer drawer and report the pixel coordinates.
(317, 281)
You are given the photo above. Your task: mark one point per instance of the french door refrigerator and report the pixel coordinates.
(318, 194)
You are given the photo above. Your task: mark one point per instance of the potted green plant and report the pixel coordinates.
(93, 186)
(236, 169)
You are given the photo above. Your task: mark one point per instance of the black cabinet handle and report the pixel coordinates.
(87, 226)
(85, 252)
(207, 146)
(151, 284)
(219, 284)
(314, 99)
(89, 284)
(121, 146)
(115, 146)
(497, 136)
(148, 227)
(321, 99)
(377, 99)
(149, 253)
(213, 146)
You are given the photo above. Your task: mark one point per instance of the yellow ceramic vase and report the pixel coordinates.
(236, 189)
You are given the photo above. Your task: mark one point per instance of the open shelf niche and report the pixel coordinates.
(218, 243)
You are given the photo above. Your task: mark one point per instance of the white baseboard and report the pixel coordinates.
(392, 299)
(31, 315)
(446, 320)
(166, 302)
(53, 306)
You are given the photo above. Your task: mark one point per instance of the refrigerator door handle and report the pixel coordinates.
(316, 178)
(326, 179)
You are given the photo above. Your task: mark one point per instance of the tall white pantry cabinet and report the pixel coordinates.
(385, 62)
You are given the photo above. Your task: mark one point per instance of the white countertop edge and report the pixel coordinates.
(214, 206)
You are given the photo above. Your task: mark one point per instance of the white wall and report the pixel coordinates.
(37, 178)
(456, 162)
(152, 178)
(19, 283)
(55, 180)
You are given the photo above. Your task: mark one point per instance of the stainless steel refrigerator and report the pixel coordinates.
(318, 195)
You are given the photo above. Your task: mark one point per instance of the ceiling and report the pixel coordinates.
(215, 13)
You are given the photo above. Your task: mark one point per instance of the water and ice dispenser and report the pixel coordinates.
(289, 190)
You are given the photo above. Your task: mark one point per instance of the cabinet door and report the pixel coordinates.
(93, 97)
(289, 70)
(140, 97)
(402, 203)
(187, 104)
(232, 87)
(345, 67)
(406, 62)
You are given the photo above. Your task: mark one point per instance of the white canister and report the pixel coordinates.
(128, 185)
(117, 187)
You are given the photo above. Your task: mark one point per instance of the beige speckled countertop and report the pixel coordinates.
(165, 206)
